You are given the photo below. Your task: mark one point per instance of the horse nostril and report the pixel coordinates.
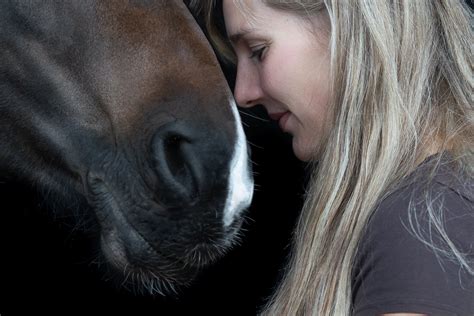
(177, 166)
(178, 153)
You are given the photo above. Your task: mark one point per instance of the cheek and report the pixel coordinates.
(272, 80)
(280, 81)
(282, 69)
(314, 117)
(315, 95)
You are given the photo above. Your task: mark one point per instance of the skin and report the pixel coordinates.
(283, 64)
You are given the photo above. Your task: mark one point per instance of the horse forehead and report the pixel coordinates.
(149, 22)
(158, 51)
(161, 34)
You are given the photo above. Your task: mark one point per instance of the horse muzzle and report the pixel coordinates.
(184, 212)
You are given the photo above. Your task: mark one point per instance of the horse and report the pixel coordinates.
(119, 109)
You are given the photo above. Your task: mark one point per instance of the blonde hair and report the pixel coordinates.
(401, 76)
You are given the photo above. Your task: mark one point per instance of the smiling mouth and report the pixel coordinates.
(277, 116)
(281, 117)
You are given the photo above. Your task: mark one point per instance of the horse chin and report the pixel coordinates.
(147, 281)
(151, 268)
(144, 270)
(141, 268)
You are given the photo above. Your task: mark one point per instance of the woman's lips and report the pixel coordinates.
(281, 117)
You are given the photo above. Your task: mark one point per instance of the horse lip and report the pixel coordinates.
(115, 243)
(112, 220)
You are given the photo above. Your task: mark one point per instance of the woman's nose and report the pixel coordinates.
(247, 91)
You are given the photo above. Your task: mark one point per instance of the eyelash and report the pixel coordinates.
(258, 53)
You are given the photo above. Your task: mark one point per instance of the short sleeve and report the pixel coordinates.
(395, 272)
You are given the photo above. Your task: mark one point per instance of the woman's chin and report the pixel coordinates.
(305, 150)
(303, 153)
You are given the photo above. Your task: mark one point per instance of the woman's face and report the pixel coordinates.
(283, 64)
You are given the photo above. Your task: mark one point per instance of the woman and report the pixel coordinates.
(379, 94)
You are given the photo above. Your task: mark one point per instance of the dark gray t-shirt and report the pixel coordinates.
(395, 271)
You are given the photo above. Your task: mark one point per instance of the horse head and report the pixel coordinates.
(121, 107)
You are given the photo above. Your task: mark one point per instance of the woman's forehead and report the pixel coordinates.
(243, 16)
(248, 17)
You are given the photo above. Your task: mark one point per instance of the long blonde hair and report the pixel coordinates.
(401, 78)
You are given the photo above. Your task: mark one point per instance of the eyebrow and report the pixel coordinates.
(236, 37)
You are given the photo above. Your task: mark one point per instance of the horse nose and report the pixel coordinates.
(178, 163)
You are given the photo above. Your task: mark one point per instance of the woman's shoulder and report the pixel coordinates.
(438, 174)
(403, 260)
(437, 184)
(438, 194)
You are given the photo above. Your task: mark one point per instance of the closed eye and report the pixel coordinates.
(258, 53)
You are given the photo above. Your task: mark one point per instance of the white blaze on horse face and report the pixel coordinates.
(240, 179)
